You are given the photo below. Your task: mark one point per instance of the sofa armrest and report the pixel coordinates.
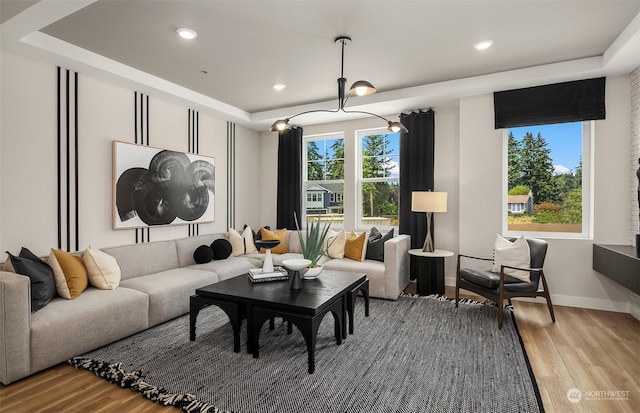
(15, 326)
(396, 265)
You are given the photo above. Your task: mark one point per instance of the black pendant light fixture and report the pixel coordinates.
(359, 88)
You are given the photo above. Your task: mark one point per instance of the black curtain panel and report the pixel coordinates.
(416, 171)
(561, 102)
(289, 177)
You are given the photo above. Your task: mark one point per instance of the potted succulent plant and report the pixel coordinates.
(312, 243)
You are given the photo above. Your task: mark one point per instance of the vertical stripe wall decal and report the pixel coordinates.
(193, 146)
(68, 171)
(68, 167)
(141, 136)
(231, 175)
(76, 167)
(59, 158)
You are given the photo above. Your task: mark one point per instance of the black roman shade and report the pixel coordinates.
(289, 177)
(557, 103)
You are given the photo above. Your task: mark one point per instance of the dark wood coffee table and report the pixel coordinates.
(331, 292)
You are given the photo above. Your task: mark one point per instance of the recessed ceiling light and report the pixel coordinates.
(186, 33)
(279, 86)
(485, 44)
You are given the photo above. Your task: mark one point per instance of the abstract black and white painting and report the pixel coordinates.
(161, 187)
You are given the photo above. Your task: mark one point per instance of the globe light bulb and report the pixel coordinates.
(361, 90)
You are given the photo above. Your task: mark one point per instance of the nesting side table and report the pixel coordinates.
(428, 268)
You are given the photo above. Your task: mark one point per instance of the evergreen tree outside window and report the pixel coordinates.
(378, 178)
(323, 177)
(547, 183)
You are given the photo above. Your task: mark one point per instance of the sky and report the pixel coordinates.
(564, 140)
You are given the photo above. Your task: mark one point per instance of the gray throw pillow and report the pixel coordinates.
(375, 244)
(43, 286)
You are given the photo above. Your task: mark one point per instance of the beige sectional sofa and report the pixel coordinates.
(157, 280)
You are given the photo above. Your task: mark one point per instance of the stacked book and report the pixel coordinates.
(256, 275)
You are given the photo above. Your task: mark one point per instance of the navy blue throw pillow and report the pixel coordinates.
(43, 286)
(203, 254)
(375, 244)
(221, 249)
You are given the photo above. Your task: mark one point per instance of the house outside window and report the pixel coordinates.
(547, 180)
(378, 178)
(323, 177)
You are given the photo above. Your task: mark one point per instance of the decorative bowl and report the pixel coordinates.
(267, 243)
(296, 264)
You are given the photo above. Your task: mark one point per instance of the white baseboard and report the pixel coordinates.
(631, 307)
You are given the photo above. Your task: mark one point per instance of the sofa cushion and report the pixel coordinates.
(335, 243)
(186, 246)
(515, 254)
(203, 254)
(146, 258)
(231, 267)
(69, 328)
(43, 286)
(222, 249)
(69, 272)
(169, 291)
(375, 271)
(491, 280)
(355, 246)
(102, 269)
(241, 243)
(375, 244)
(293, 241)
(280, 235)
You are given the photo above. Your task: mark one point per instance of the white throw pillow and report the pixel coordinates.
(515, 254)
(241, 243)
(336, 242)
(103, 269)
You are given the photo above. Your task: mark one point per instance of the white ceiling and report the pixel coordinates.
(417, 53)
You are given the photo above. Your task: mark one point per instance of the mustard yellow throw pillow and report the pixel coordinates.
(355, 248)
(280, 234)
(69, 274)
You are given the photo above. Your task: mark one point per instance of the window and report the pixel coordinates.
(323, 176)
(378, 178)
(547, 180)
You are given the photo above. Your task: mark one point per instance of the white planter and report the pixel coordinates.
(313, 272)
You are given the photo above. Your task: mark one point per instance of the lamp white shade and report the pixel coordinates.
(427, 201)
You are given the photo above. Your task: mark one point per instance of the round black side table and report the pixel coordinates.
(428, 268)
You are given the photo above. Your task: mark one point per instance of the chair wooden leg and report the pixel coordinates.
(457, 294)
(548, 297)
(458, 282)
(500, 302)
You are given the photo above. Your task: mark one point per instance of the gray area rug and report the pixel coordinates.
(410, 355)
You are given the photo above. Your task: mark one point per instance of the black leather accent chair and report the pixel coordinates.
(498, 286)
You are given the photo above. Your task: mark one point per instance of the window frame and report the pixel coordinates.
(588, 139)
(360, 134)
(305, 173)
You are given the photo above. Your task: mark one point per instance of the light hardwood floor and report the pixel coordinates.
(592, 351)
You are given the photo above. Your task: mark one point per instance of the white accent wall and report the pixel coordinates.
(28, 157)
(572, 281)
